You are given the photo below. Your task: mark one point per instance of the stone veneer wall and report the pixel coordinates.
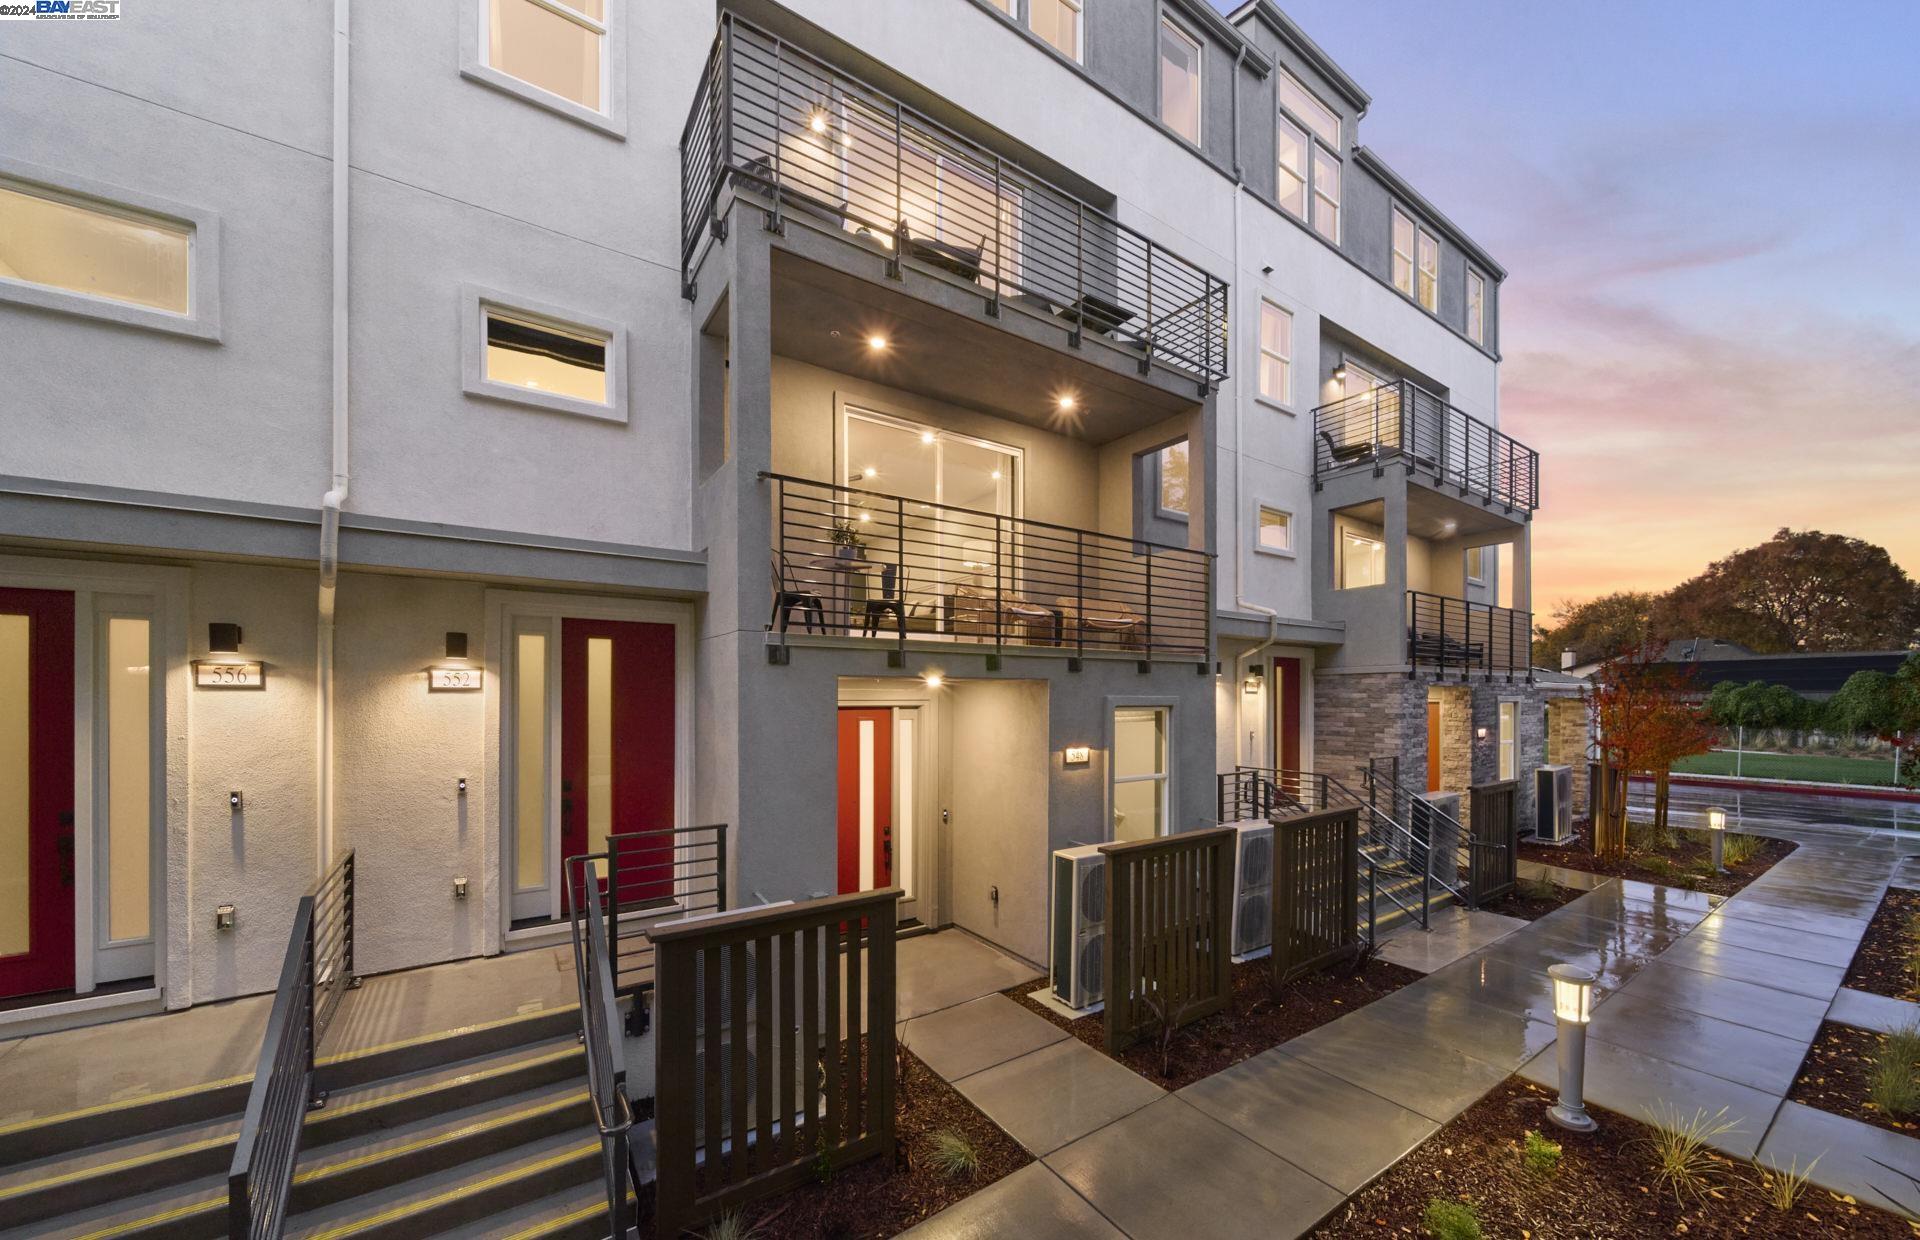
(1369, 715)
(1567, 744)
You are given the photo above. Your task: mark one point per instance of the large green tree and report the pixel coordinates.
(1799, 590)
(1597, 629)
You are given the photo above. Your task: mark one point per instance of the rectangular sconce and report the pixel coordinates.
(1078, 755)
(223, 638)
(229, 674)
(456, 645)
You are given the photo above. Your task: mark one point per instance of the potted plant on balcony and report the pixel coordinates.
(847, 542)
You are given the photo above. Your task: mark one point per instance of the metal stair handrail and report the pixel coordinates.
(600, 1035)
(314, 976)
(1398, 794)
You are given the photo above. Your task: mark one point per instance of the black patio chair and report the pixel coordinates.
(789, 593)
(892, 600)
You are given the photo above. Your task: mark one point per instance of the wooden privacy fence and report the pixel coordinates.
(1493, 851)
(1316, 891)
(763, 1076)
(1169, 932)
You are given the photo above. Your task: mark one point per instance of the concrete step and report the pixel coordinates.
(576, 1213)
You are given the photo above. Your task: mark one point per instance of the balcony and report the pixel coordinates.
(1451, 634)
(828, 149)
(1402, 423)
(849, 562)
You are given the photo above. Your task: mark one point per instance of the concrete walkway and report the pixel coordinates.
(1701, 1003)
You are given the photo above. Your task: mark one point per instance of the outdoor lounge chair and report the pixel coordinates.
(947, 256)
(1349, 453)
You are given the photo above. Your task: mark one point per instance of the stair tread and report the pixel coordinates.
(205, 1194)
(342, 1217)
(443, 1074)
(544, 1215)
(387, 1142)
(105, 1157)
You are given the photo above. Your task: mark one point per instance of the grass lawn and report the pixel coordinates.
(1817, 768)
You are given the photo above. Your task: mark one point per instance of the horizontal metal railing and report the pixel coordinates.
(1404, 423)
(1468, 637)
(670, 870)
(316, 972)
(827, 146)
(1266, 792)
(852, 561)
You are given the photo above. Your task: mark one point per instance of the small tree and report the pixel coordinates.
(1647, 715)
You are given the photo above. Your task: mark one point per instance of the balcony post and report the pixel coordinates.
(894, 268)
(775, 223)
(1149, 323)
(1149, 592)
(1080, 593)
(900, 577)
(999, 599)
(1079, 271)
(999, 271)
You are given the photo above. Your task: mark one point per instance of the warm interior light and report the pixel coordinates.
(1066, 403)
(876, 342)
(1340, 373)
(819, 122)
(1480, 733)
(933, 680)
(996, 475)
(926, 436)
(866, 516)
(869, 472)
(1572, 993)
(1716, 819)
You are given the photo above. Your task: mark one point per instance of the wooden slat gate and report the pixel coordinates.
(1169, 948)
(1316, 892)
(762, 1077)
(1493, 859)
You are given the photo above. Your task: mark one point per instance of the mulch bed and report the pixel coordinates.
(1835, 1073)
(1603, 1187)
(1688, 864)
(1883, 963)
(1254, 1020)
(878, 1198)
(1530, 900)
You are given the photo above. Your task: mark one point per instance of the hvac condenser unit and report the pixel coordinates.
(1078, 953)
(1253, 888)
(1553, 804)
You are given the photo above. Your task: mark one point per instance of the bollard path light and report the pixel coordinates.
(1717, 832)
(1572, 1008)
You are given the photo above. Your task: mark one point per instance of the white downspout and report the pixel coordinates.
(336, 496)
(1239, 464)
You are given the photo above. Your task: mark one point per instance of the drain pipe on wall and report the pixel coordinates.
(1239, 462)
(336, 496)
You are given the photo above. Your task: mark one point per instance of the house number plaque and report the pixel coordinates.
(453, 679)
(208, 675)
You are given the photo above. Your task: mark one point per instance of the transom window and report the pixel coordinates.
(1416, 261)
(559, 46)
(1276, 353)
(1476, 307)
(1276, 529)
(544, 357)
(94, 250)
(1179, 81)
(1058, 22)
(1308, 183)
(1139, 772)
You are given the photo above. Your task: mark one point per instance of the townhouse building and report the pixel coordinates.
(922, 437)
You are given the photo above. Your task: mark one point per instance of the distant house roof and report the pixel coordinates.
(1705, 649)
(1810, 675)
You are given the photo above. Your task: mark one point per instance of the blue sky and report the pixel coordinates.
(1711, 325)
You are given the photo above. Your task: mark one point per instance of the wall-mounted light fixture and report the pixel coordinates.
(224, 671)
(460, 888)
(1340, 373)
(1480, 733)
(1256, 679)
(223, 638)
(456, 674)
(933, 680)
(1078, 755)
(223, 917)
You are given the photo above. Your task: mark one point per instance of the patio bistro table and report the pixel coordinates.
(844, 570)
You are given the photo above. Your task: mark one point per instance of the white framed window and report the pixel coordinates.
(558, 54)
(528, 353)
(1291, 156)
(1140, 772)
(1476, 565)
(1173, 500)
(1180, 94)
(1276, 354)
(1429, 274)
(1005, 6)
(1309, 111)
(1059, 22)
(1275, 533)
(1363, 561)
(85, 248)
(1403, 246)
(1509, 740)
(1476, 307)
(1326, 195)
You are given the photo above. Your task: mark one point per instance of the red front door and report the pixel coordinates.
(36, 792)
(617, 745)
(1286, 713)
(866, 799)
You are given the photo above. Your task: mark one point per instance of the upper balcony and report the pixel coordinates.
(1403, 423)
(778, 122)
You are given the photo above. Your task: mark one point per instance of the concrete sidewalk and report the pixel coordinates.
(1701, 1003)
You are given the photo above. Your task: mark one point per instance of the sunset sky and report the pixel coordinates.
(1711, 325)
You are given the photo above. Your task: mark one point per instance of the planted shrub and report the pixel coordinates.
(1893, 1084)
(1782, 1188)
(1682, 1158)
(1542, 1155)
(1738, 849)
(1535, 889)
(950, 1153)
(1452, 1220)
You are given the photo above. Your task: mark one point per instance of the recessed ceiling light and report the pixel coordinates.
(926, 436)
(1067, 403)
(933, 680)
(876, 342)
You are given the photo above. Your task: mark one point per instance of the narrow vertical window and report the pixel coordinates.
(1276, 354)
(556, 45)
(1058, 22)
(1402, 252)
(1509, 741)
(1326, 195)
(599, 742)
(530, 762)
(15, 780)
(129, 681)
(1174, 500)
(1476, 307)
(1291, 188)
(1180, 81)
(1429, 271)
(1139, 772)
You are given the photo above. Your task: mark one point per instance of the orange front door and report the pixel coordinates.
(36, 792)
(1433, 746)
(866, 798)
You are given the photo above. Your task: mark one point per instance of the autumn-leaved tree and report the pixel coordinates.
(1646, 715)
(1799, 590)
(1596, 628)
